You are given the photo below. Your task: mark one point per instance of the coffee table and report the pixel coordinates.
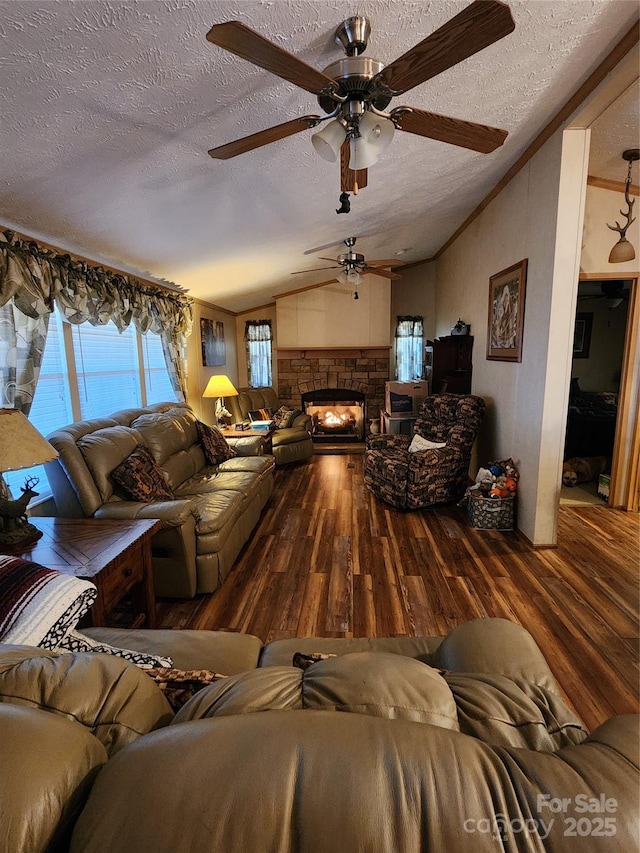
(115, 555)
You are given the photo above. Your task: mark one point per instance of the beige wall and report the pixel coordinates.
(197, 374)
(537, 216)
(329, 316)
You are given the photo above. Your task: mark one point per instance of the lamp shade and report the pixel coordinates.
(375, 135)
(327, 142)
(21, 445)
(621, 252)
(219, 386)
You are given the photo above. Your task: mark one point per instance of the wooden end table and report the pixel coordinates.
(115, 555)
(264, 434)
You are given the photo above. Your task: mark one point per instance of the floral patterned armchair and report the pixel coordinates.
(413, 480)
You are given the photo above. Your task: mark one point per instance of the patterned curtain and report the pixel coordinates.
(409, 343)
(258, 337)
(34, 279)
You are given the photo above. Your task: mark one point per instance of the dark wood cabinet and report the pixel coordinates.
(451, 364)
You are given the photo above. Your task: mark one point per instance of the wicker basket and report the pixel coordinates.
(486, 513)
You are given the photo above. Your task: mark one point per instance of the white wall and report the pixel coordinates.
(537, 216)
(198, 375)
(329, 316)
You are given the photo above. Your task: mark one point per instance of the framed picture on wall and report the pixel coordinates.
(506, 313)
(582, 335)
(212, 338)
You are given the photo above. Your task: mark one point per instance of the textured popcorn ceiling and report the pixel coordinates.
(107, 110)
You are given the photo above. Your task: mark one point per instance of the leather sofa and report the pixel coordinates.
(400, 744)
(289, 444)
(215, 507)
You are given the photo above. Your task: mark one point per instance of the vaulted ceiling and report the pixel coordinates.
(109, 108)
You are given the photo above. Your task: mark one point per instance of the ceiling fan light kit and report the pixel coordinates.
(328, 141)
(355, 91)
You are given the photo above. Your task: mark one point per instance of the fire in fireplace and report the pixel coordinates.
(337, 414)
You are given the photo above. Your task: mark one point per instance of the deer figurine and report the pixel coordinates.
(13, 513)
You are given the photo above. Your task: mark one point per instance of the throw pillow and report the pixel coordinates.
(260, 415)
(179, 685)
(77, 642)
(39, 606)
(141, 478)
(214, 445)
(285, 416)
(419, 443)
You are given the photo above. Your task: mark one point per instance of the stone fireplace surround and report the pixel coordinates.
(364, 369)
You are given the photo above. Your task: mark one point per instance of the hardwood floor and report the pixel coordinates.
(328, 559)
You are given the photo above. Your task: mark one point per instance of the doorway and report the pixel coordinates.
(601, 426)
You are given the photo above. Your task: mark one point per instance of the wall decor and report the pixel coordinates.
(212, 338)
(506, 313)
(582, 335)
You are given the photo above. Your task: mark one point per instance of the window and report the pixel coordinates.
(409, 346)
(107, 368)
(51, 405)
(157, 384)
(114, 371)
(258, 338)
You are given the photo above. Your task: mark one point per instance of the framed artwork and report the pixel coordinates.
(212, 339)
(506, 313)
(582, 335)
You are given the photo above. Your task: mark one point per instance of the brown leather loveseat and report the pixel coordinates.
(419, 745)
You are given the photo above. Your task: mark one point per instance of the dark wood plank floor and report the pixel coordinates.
(327, 559)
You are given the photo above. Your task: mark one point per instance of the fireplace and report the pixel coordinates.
(337, 414)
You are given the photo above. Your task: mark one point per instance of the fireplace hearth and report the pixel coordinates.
(337, 414)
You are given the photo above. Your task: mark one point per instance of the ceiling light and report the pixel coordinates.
(623, 249)
(350, 276)
(374, 136)
(328, 142)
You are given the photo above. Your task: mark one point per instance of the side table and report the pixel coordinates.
(114, 555)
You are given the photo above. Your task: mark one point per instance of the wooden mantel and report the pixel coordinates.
(333, 352)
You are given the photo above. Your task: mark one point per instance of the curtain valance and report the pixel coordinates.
(36, 278)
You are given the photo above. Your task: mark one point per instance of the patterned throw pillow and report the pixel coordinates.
(260, 415)
(142, 478)
(214, 446)
(418, 443)
(77, 642)
(39, 606)
(179, 685)
(285, 416)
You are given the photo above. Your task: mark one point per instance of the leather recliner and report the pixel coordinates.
(290, 444)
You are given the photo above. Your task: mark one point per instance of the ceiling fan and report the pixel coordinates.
(352, 265)
(355, 91)
(614, 291)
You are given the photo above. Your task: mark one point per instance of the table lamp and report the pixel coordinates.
(21, 446)
(220, 386)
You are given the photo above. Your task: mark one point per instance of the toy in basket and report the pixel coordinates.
(491, 500)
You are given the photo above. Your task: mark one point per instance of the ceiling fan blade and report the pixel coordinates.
(455, 131)
(263, 137)
(388, 262)
(315, 269)
(476, 27)
(377, 271)
(237, 38)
